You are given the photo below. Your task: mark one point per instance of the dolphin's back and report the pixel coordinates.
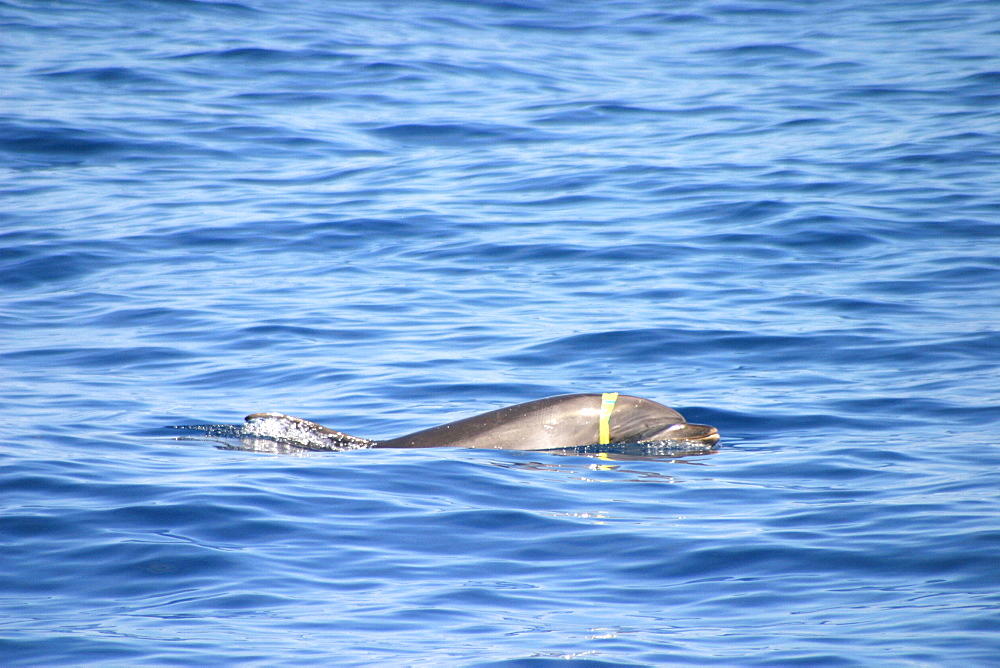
(555, 422)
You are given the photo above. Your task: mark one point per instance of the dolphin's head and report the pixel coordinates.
(641, 420)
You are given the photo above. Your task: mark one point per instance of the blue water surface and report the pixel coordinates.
(780, 218)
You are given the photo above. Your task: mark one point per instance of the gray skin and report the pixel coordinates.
(566, 421)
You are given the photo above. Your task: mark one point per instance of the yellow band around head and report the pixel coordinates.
(608, 400)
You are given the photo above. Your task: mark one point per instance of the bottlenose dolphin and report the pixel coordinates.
(566, 421)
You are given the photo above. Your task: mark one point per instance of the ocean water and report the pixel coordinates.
(780, 218)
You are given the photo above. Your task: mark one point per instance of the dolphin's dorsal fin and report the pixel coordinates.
(302, 433)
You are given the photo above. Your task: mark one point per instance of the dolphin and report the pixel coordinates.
(554, 423)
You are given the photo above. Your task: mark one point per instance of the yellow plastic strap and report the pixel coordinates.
(608, 400)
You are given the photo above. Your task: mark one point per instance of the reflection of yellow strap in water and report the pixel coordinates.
(608, 400)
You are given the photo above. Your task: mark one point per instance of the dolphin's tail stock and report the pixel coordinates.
(301, 433)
